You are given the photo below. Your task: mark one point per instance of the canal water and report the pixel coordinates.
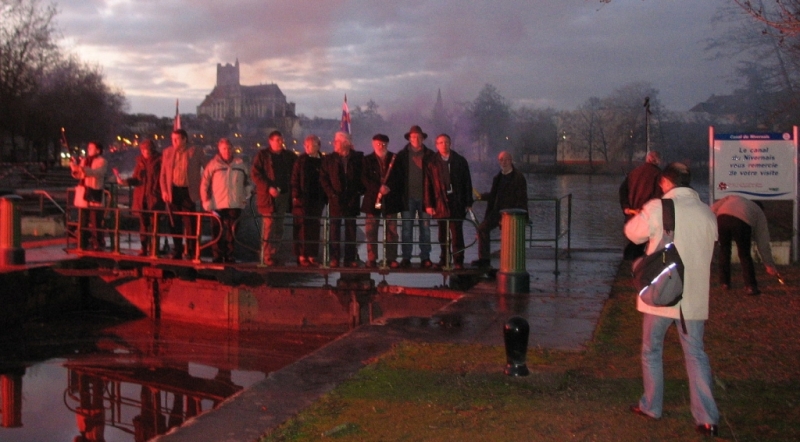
(98, 377)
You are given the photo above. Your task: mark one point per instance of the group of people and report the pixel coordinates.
(409, 187)
(697, 228)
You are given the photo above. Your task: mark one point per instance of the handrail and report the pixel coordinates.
(361, 222)
(41, 194)
(118, 226)
(559, 231)
(117, 230)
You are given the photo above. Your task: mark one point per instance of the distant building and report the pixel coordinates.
(720, 108)
(263, 107)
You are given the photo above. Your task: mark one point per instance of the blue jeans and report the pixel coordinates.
(415, 208)
(698, 369)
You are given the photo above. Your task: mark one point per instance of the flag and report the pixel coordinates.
(64, 143)
(345, 126)
(177, 123)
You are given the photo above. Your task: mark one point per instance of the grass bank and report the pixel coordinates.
(459, 392)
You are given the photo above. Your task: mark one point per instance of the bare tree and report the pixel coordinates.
(782, 15)
(26, 48)
(42, 90)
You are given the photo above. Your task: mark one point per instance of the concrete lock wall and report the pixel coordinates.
(216, 304)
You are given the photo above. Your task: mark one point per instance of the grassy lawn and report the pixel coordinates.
(459, 392)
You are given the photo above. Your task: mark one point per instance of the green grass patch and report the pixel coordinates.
(449, 392)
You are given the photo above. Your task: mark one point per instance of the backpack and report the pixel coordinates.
(658, 277)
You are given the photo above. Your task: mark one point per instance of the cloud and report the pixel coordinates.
(400, 53)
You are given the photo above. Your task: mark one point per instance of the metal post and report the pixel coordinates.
(512, 276)
(11, 251)
(515, 335)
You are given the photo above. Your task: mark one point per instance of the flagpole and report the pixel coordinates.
(345, 125)
(176, 124)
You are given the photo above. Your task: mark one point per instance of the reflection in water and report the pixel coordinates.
(132, 381)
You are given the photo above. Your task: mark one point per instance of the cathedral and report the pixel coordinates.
(263, 105)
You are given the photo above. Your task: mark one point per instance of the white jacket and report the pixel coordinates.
(695, 234)
(225, 185)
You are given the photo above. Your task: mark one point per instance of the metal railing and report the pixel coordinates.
(121, 226)
(561, 210)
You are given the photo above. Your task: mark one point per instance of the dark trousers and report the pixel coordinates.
(491, 222)
(371, 225)
(306, 228)
(225, 229)
(184, 224)
(456, 240)
(349, 238)
(732, 229)
(146, 227)
(91, 220)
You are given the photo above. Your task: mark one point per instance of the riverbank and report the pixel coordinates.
(425, 391)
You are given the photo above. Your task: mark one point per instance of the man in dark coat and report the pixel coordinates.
(382, 198)
(146, 192)
(509, 191)
(308, 200)
(340, 177)
(411, 163)
(448, 194)
(271, 172)
(639, 187)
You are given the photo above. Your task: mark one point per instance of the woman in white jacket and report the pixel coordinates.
(224, 190)
(91, 171)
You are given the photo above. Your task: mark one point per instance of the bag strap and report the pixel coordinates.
(668, 221)
(668, 215)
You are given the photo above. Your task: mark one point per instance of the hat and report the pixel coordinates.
(416, 130)
(381, 137)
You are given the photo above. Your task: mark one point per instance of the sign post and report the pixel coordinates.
(755, 166)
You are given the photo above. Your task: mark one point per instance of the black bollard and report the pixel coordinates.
(515, 334)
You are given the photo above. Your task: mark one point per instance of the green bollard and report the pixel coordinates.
(11, 251)
(512, 277)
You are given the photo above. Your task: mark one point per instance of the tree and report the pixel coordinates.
(783, 15)
(769, 90)
(42, 90)
(26, 49)
(490, 116)
(535, 133)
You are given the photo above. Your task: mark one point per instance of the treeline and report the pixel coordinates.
(43, 89)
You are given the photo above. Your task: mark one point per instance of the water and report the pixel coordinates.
(140, 378)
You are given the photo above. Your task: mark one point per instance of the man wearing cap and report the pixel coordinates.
(411, 164)
(382, 197)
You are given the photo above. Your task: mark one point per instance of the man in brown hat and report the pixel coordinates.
(411, 164)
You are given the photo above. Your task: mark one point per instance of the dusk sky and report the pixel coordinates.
(536, 53)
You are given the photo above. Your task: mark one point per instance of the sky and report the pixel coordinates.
(537, 53)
